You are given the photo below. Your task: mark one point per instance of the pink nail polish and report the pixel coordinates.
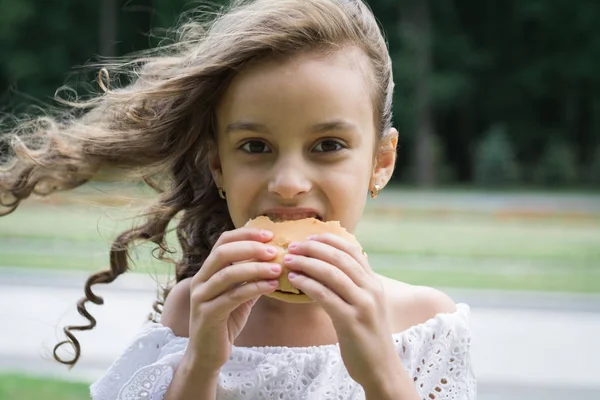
(271, 250)
(293, 246)
(292, 275)
(276, 268)
(288, 258)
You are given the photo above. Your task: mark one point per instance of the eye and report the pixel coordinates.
(255, 146)
(329, 146)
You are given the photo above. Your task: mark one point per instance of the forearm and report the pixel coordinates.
(394, 384)
(190, 382)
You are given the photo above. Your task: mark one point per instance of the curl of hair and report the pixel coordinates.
(163, 123)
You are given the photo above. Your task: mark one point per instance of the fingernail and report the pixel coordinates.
(276, 268)
(273, 283)
(311, 237)
(266, 234)
(288, 258)
(271, 250)
(293, 246)
(292, 275)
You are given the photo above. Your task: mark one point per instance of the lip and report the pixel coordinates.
(292, 211)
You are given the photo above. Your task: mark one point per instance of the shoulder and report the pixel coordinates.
(410, 305)
(176, 310)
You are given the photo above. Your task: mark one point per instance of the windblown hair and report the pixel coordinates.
(163, 123)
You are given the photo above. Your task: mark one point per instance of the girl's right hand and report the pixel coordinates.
(223, 292)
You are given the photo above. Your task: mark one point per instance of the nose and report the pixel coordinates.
(290, 179)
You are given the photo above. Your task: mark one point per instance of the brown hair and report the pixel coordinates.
(163, 123)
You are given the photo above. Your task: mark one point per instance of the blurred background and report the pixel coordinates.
(496, 196)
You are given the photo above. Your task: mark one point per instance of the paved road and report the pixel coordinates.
(525, 346)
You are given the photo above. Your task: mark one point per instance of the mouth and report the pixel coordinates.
(280, 216)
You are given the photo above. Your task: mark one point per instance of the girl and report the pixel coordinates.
(279, 108)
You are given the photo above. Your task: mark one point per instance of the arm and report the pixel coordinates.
(396, 385)
(211, 309)
(337, 275)
(189, 380)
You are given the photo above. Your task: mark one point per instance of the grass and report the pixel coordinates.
(452, 250)
(21, 387)
(485, 252)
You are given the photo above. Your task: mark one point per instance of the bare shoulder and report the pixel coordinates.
(411, 305)
(176, 310)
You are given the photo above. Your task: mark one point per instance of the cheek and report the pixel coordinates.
(348, 206)
(352, 175)
(239, 207)
(237, 176)
(243, 185)
(347, 186)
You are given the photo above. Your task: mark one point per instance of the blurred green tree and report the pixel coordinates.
(593, 169)
(495, 164)
(557, 165)
(460, 67)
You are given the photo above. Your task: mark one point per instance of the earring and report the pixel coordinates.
(375, 191)
(222, 193)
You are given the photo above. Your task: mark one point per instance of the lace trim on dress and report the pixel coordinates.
(436, 354)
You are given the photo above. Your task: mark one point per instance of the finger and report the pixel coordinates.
(235, 275)
(314, 248)
(352, 249)
(333, 304)
(243, 234)
(230, 253)
(229, 301)
(324, 273)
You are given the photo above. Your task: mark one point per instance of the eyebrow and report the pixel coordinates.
(246, 126)
(336, 125)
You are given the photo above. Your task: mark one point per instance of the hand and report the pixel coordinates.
(224, 291)
(336, 274)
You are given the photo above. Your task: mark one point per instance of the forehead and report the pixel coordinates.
(317, 86)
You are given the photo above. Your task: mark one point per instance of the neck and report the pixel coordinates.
(277, 323)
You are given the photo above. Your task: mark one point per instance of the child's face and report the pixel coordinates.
(300, 134)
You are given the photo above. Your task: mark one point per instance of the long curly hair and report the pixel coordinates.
(162, 123)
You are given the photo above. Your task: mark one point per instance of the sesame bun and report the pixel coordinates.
(284, 233)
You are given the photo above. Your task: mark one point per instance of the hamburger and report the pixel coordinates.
(285, 232)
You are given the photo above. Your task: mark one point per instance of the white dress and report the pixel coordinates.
(436, 354)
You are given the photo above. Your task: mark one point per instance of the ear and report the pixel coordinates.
(214, 164)
(385, 159)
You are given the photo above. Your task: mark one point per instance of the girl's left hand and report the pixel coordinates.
(336, 274)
